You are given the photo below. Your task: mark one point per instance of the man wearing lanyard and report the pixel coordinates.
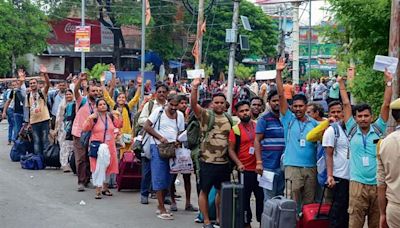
(363, 135)
(299, 155)
(389, 174)
(241, 151)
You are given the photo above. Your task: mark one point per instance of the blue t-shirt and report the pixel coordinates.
(363, 152)
(273, 143)
(295, 134)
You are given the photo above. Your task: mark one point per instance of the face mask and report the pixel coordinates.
(245, 119)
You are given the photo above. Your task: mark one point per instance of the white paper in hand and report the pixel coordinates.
(266, 180)
(382, 62)
(192, 74)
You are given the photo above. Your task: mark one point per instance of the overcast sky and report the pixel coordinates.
(317, 14)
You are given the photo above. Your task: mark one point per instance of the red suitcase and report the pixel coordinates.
(315, 215)
(129, 175)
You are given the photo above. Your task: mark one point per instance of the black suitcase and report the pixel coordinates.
(232, 205)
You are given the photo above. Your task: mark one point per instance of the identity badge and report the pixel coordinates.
(365, 161)
(302, 142)
(251, 150)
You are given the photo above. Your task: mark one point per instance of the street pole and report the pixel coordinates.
(232, 53)
(283, 31)
(143, 48)
(309, 44)
(295, 34)
(82, 24)
(200, 20)
(394, 49)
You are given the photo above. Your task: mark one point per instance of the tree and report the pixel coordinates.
(243, 72)
(362, 29)
(24, 29)
(262, 39)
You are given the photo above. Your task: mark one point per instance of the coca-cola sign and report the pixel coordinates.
(70, 28)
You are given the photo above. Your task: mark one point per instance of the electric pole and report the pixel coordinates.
(309, 45)
(296, 43)
(394, 49)
(200, 21)
(232, 52)
(82, 24)
(143, 48)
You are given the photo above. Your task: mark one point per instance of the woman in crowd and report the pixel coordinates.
(125, 109)
(102, 125)
(64, 120)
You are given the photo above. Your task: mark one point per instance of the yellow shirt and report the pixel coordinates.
(317, 133)
(126, 127)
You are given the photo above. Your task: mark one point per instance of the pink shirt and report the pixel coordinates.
(81, 115)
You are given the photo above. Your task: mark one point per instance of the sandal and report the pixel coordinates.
(191, 208)
(98, 195)
(106, 192)
(165, 216)
(159, 212)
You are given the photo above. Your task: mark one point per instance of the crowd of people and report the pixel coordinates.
(275, 130)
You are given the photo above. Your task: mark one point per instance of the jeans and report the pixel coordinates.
(146, 177)
(338, 214)
(18, 121)
(251, 186)
(40, 136)
(278, 185)
(10, 120)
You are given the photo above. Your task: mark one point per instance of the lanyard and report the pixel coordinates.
(250, 132)
(106, 127)
(364, 138)
(302, 127)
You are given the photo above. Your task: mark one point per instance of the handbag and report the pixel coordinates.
(94, 145)
(167, 150)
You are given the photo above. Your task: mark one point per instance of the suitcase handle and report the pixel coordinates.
(320, 204)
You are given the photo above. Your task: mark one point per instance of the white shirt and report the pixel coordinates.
(340, 161)
(166, 127)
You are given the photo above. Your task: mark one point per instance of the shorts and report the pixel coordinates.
(160, 176)
(213, 175)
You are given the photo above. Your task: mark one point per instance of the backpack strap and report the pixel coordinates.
(335, 127)
(352, 132)
(377, 130)
(236, 130)
(150, 106)
(229, 117)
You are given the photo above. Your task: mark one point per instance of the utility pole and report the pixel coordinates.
(309, 44)
(296, 38)
(82, 24)
(394, 49)
(200, 20)
(232, 53)
(282, 29)
(143, 48)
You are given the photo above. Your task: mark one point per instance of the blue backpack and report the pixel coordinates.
(322, 174)
(32, 162)
(19, 149)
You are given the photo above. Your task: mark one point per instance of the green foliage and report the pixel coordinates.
(316, 73)
(262, 39)
(243, 72)
(368, 87)
(208, 70)
(22, 62)
(23, 30)
(148, 67)
(97, 70)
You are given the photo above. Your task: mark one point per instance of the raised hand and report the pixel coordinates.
(42, 68)
(196, 82)
(111, 68)
(388, 76)
(281, 65)
(339, 79)
(139, 80)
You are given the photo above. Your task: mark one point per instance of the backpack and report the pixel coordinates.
(322, 173)
(193, 132)
(137, 127)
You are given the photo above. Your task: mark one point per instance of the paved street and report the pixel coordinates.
(48, 198)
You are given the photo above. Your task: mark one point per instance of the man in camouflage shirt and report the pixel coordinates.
(214, 165)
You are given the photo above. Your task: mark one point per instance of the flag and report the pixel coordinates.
(148, 12)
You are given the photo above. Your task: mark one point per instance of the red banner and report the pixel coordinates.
(64, 31)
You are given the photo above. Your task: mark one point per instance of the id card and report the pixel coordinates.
(365, 161)
(302, 142)
(251, 150)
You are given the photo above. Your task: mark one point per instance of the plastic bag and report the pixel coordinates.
(182, 163)
(102, 163)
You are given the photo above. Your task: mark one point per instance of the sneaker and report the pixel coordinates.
(90, 186)
(208, 226)
(174, 207)
(81, 188)
(144, 200)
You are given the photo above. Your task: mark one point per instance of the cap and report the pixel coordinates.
(395, 104)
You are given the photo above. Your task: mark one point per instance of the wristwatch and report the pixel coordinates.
(389, 84)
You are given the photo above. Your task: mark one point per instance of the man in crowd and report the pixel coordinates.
(288, 91)
(389, 174)
(149, 107)
(270, 144)
(38, 114)
(85, 106)
(333, 91)
(316, 111)
(8, 112)
(241, 151)
(256, 107)
(299, 160)
(336, 145)
(363, 136)
(214, 164)
(254, 86)
(54, 100)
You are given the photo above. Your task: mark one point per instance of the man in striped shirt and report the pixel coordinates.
(269, 146)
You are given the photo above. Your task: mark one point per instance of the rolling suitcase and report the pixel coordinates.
(279, 212)
(316, 215)
(232, 205)
(129, 175)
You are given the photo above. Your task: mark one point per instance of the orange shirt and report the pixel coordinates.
(288, 91)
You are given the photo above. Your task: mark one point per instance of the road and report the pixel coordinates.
(48, 198)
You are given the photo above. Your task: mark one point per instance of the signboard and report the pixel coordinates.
(192, 74)
(53, 65)
(82, 39)
(266, 75)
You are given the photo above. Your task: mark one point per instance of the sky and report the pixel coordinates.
(317, 15)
